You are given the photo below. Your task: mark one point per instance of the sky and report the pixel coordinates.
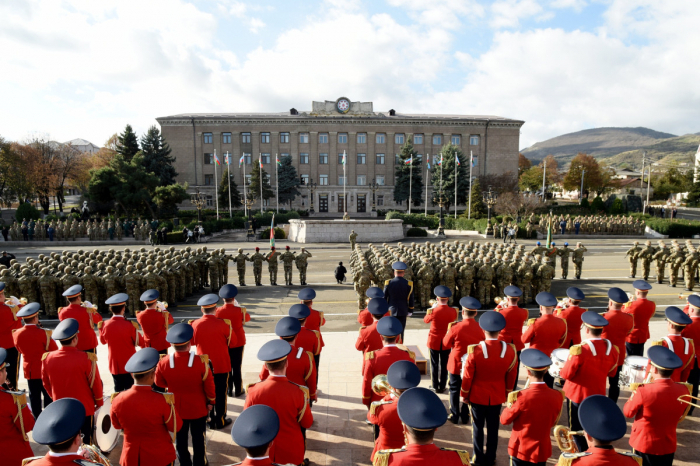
(86, 68)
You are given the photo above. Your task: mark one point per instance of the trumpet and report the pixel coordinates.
(380, 386)
(565, 439)
(682, 399)
(93, 453)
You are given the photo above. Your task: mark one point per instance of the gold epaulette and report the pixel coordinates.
(429, 311)
(169, 398)
(60, 309)
(14, 330)
(100, 324)
(29, 460)
(247, 387)
(513, 397)
(689, 386)
(305, 390)
(205, 361)
(575, 350)
(567, 459)
(405, 348)
(43, 356)
(114, 395)
(531, 321)
(373, 406)
(381, 458)
(359, 311)
(190, 321)
(463, 454)
(386, 282)
(161, 356)
(449, 326)
(635, 386)
(135, 324)
(657, 343)
(471, 348)
(637, 458)
(19, 397)
(92, 357)
(369, 355)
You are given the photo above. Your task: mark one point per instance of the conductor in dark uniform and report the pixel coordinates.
(398, 292)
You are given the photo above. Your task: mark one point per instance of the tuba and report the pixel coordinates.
(92, 453)
(380, 386)
(565, 440)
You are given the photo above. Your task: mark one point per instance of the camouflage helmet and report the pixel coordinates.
(240, 250)
(88, 269)
(68, 269)
(110, 269)
(129, 268)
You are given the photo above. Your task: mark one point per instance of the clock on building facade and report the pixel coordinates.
(342, 105)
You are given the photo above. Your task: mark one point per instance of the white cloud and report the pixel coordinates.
(576, 5)
(509, 13)
(256, 25)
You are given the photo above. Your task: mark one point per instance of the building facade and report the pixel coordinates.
(316, 141)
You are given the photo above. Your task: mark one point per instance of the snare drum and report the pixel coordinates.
(559, 357)
(105, 435)
(633, 370)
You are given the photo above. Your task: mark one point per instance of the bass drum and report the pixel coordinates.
(105, 435)
(559, 357)
(633, 370)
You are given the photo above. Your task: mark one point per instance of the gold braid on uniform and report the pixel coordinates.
(205, 361)
(93, 371)
(463, 454)
(20, 399)
(567, 459)
(381, 458)
(170, 399)
(637, 458)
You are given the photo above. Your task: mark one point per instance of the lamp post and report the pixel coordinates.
(311, 186)
(490, 200)
(373, 186)
(440, 199)
(198, 200)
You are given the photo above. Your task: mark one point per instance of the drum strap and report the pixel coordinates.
(300, 352)
(670, 344)
(486, 353)
(592, 346)
(189, 364)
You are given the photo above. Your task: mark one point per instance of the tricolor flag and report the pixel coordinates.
(218, 162)
(227, 159)
(474, 161)
(344, 156)
(240, 162)
(457, 160)
(409, 161)
(440, 161)
(272, 232)
(260, 159)
(278, 160)
(428, 165)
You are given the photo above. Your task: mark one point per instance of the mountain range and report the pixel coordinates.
(618, 147)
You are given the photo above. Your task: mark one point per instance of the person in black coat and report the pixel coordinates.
(340, 272)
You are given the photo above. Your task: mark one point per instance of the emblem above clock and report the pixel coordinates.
(342, 106)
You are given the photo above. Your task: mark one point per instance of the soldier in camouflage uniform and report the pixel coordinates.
(660, 258)
(425, 278)
(302, 263)
(484, 281)
(545, 274)
(468, 273)
(240, 261)
(224, 259)
(132, 282)
(633, 258)
(287, 259)
(69, 279)
(47, 287)
(353, 238)
(577, 259)
(564, 254)
(504, 277)
(258, 260)
(27, 286)
(646, 254)
(272, 265)
(91, 286)
(675, 259)
(448, 277)
(363, 280)
(526, 275)
(690, 267)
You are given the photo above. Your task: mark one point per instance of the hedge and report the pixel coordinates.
(415, 231)
(679, 228)
(175, 237)
(27, 211)
(417, 220)
(279, 233)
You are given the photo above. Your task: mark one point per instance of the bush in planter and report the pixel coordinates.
(417, 220)
(416, 232)
(597, 205)
(175, 237)
(279, 233)
(28, 211)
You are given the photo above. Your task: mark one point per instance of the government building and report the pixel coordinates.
(316, 141)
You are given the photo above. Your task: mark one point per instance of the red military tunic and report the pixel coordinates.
(32, 342)
(71, 373)
(212, 337)
(533, 412)
(8, 323)
(365, 319)
(121, 337)
(290, 402)
(572, 316)
(309, 340)
(187, 376)
(384, 414)
(656, 414)
(439, 318)
(50, 460)
(87, 319)
(378, 362)
(238, 316)
(13, 428)
(315, 320)
(149, 421)
(461, 335)
(264, 461)
(692, 331)
(545, 333)
(599, 456)
(301, 370)
(588, 367)
(155, 327)
(420, 455)
(642, 310)
(619, 326)
(368, 340)
(513, 331)
(684, 349)
(489, 372)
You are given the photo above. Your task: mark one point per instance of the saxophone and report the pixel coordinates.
(565, 439)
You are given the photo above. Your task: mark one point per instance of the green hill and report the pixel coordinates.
(679, 150)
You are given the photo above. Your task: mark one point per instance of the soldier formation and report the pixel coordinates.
(273, 258)
(73, 229)
(588, 225)
(678, 258)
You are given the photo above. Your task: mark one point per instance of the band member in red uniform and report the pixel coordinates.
(69, 373)
(461, 335)
(369, 339)
(422, 412)
(314, 321)
(238, 316)
(364, 317)
(515, 319)
(147, 417)
(378, 362)
(683, 347)
(32, 341)
(439, 318)
(16, 421)
(603, 423)
(87, 318)
(59, 427)
(488, 376)
(642, 309)
(310, 340)
(154, 322)
(213, 337)
(533, 411)
(572, 315)
(121, 337)
(692, 331)
(9, 322)
(189, 378)
(587, 369)
(547, 332)
(254, 430)
(301, 369)
(401, 376)
(289, 400)
(619, 326)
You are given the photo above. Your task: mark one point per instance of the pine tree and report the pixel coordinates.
(478, 207)
(156, 156)
(223, 191)
(288, 181)
(448, 154)
(254, 186)
(127, 144)
(403, 176)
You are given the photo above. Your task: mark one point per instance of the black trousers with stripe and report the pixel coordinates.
(236, 379)
(36, 391)
(198, 429)
(12, 359)
(220, 386)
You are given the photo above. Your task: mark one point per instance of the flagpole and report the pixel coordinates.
(427, 175)
(216, 185)
(277, 176)
(228, 166)
(245, 195)
(471, 164)
(410, 184)
(456, 173)
(261, 181)
(345, 182)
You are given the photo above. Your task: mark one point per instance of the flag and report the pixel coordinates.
(218, 162)
(240, 162)
(343, 158)
(260, 159)
(440, 161)
(278, 160)
(457, 159)
(475, 161)
(428, 165)
(272, 232)
(409, 161)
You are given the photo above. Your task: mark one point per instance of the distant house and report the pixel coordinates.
(82, 145)
(626, 174)
(633, 186)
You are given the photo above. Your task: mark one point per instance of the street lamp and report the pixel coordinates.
(373, 186)
(490, 200)
(198, 200)
(310, 183)
(440, 199)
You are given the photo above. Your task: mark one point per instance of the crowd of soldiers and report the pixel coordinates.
(587, 225)
(481, 270)
(678, 258)
(273, 258)
(73, 229)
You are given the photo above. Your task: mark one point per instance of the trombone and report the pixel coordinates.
(682, 399)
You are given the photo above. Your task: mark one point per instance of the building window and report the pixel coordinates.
(208, 180)
(399, 138)
(226, 138)
(265, 138)
(210, 201)
(456, 140)
(473, 140)
(380, 180)
(342, 138)
(323, 180)
(245, 138)
(380, 200)
(361, 180)
(304, 158)
(437, 139)
(283, 155)
(305, 179)
(341, 181)
(380, 159)
(284, 138)
(381, 138)
(323, 159)
(419, 157)
(417, 139)
(268, 177)
(397, 159)
(303, 138)
(323, 138)
(247, 179)
(247, 158)
(265, 158)
(361, 159)
(208, 138)
(362, 138)
(208, 159)
(340, 159)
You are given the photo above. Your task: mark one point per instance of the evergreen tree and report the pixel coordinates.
(254, 186)
(448, 154)
(288, 181)
(478, 207)
(156, 156)
(127, 144)
(223, 191)
(403, 176)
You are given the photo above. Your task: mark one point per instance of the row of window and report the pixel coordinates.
(323, 138)
(322, 180)
(323, 159)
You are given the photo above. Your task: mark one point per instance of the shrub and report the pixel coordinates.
(28, 211)
(417, 220)
(617, 207)
(416, 232)
(279, 233)
(175, 237)
(585, 204)
(597, 205)
(679, 228)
